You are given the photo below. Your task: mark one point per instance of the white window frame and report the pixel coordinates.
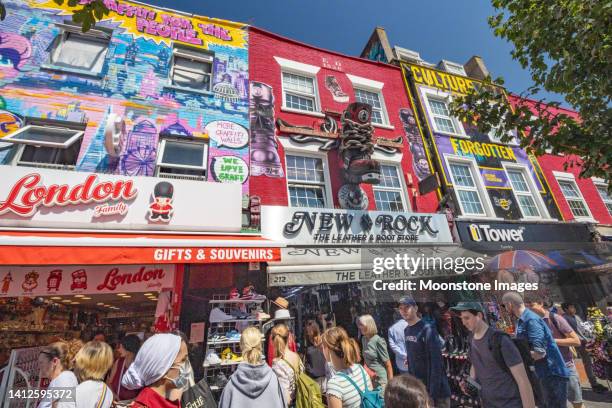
(48, 128)
(569, 178)
(534, 193)
(102, 36)
(327, 196)
(401, 189)
(369, 85)
(162, 147)
(479, 188)
(194, 55)
(446, 98)
(601, 183)
(304, 70)
(494, 138)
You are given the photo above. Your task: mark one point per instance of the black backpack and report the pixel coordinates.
(523, 347)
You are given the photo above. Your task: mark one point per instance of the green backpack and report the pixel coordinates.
(307, 391)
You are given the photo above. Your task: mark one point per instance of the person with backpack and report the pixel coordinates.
(350, 386)
(406, 391)
(565, 337)
(497, 366)
(424, 354)
(549, 365)
(286, 364)
(375, 352)
(314, 359)
(253, 384)
(577, 324)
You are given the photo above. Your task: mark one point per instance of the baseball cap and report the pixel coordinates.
(407, 300)
(462, 306)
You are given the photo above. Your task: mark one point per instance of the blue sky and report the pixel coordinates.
(437, 29)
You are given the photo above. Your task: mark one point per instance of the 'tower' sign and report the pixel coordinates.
(75, 279)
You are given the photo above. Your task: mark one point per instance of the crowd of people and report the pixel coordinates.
(533, 367)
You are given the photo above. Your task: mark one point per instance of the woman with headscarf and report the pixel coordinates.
(161, 368)
(127, 350)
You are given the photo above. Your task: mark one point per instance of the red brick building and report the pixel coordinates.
(579, 199)
(309, 83)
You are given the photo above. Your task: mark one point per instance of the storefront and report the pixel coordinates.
(326, 266)
(84, 253)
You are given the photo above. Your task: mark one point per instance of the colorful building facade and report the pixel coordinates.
(138, 85)
(579, 199)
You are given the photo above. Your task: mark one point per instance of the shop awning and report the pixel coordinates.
(85, 248)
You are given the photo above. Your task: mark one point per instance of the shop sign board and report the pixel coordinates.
(86, 279)
(305, 278)
(503, 235)
(33, 197)
(314, 226)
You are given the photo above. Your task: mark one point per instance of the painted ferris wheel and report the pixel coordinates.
(140, 153)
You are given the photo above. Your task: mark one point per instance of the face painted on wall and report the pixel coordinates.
(15, 51)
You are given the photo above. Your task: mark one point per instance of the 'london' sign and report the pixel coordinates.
(307, 226)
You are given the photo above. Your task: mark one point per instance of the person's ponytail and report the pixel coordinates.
(280, 337)
(337, 340)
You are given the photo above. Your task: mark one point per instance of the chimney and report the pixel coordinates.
(476, 68)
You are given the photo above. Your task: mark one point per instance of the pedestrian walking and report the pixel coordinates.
(397, 343)
(406, 391)
(159, 369)
(576, 323)
(253, 384)
(350, 384)
(55, 362)
(375, 352)
(501, 386)
(565, 337)
(91, 364)
(549, 364)
(424, 354)
(314, 359)
(286, 364)
(127, 350)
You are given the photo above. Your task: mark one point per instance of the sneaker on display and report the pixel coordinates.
(262, 316)
(212, 358)
(220, 380)
(217, 315)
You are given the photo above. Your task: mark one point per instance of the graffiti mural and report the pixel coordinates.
(332, 85)
(419, 156)
(264, 147)
(133, 82)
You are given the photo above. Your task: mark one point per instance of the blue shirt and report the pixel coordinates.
(532, 327)
(397, 342)
(425, 359)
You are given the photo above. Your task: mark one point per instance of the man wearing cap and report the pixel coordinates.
(424, 354)
(506, 386)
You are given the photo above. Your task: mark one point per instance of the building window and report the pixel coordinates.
(182, 159)
(467, 187)
(388, 193)
(80, 51)
(47, 144)
(605, 196)
(495, 135)
(379, 115)
(524, 192)
(441, 117)
(299, 92)
(192, 69)
(574, 198)
(306, 181)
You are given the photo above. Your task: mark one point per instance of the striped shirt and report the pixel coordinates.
(340, 388)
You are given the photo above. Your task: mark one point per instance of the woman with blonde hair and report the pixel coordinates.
(91, 364)
(286, 364)
(375, 352)
(55, 362)
(253, 383)
(350, 379)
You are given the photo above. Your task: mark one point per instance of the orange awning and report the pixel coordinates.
(114, 248)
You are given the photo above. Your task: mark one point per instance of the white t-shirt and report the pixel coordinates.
(66, 379)
(89, 393)
(342, 389)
